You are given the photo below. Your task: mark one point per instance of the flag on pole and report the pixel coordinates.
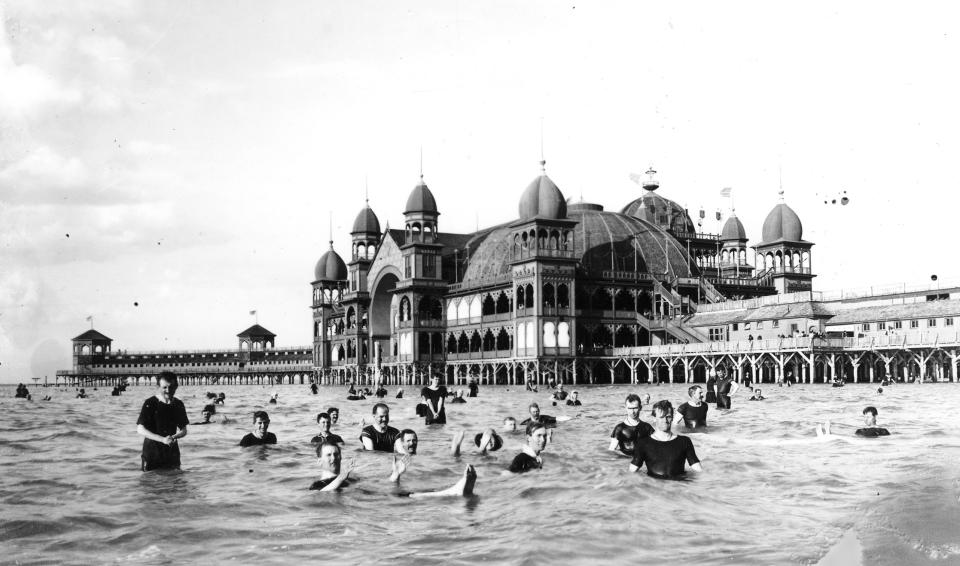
(252, 313)
(725, 192)
(90, 318)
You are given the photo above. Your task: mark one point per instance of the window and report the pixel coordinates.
(881, 326)
(759, 324)
(931, 322)
(898, 324)
(865, 327)
(736, 326)
(914, 324)
(746, 326)
(715, 334)
(406, 266)
(430, 266)
(776, 324)
(948, 321)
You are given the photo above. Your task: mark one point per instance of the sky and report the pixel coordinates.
(167, 167)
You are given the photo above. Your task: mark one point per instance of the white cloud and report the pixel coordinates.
(27, 90)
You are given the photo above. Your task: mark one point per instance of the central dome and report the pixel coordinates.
(542, 199)
(661, 212)
(330, 267)
(782, 224)
(604, 241)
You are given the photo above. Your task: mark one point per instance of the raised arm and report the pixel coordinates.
(344, 474)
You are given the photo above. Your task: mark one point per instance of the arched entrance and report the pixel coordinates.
(380, 315)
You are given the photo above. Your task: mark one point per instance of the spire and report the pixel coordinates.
(543, 160)
(421, 164)
(331, 229)
(366, 191)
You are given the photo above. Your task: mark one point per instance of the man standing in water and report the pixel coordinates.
(664, 452)
(379, 436)
(625, 434)
(693, 412)
(163, 421)
(725, 388)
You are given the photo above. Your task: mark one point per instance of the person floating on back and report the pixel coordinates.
(871, 430)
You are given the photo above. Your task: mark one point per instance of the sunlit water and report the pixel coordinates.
(71, 490)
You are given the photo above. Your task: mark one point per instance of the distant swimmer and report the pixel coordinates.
(458, 397)
(664, 452)
(22, 392)
(399, 392)
(509, 425)
(434, 396)
(207, 412)
(537, 417)
(559, 394)
(325, 436)
(82, 394)
(574, 400)
(381, 391)
(645, 400)
(625, 434)
(474, 387)
(486, 441)
(260, 435)
(314, 388)
(529, 458)
(379, 436)
(334, 415)
(356, 396)
(757, 395)
(162, 421)
(221, 399)
(693, 413)
(531, 386)
(273, 399)
(871, 430)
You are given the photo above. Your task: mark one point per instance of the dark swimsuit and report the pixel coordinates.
(664, 460)
(693, 417)
(626, 435)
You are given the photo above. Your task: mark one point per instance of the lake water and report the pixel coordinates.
(71, 490)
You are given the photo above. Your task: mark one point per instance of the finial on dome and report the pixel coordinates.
(543, 166)
(651, 184)
(366, 191)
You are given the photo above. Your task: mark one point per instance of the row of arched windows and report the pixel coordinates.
(528, 242)
(786, 260)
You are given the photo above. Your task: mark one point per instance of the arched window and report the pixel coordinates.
(451, 344)
(563, 296)
(463, 344)
(475, 309)
(503, 303)
(528, 299)
(463, 310)
(521, 336)
(404, 309)
(489, 342)
(451, 312)
(548, 296)
(554, 243)
(503, 340)
(563, 335)
(521, 293)
(531, 335)
(475, 341)
(489, 306)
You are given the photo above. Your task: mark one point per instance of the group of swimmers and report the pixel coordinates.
(664, 454)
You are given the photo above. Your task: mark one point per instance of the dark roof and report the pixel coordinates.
(542, 199)
(92, 335)
(927, 309)
(448, 240)
(366, 222)
(651, 206)
(256, 331)
(733, 229)
(421, 200)
(330, 267)
(782, 224)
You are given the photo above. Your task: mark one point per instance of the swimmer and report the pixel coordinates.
(162, 421)
(325, 436)
(379, 436)
(381, 391)
(645, 400)
(757, 395)
(474, 387)
(273, 399)
(693, 413)
(334, 415)
(356, 396)
(314, 388)
(487, 440)
(406, 442)
(509, 425)
(664, 452)
(458, 397)
(261, 422)
(559, 394)
(529, 458)
(879, 390)
(537, 417)
(869, 419)
(221, 399)
(434, 396)
(206, 413)
(574, 400)
(82, 394)
(399, 392)
(531, 386)
(625, 434)
(725, 388)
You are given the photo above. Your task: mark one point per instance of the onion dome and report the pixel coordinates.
(366, 222)
(542, 199)
(733, 229)
(421, 200)
(330, 267)
(782, 224)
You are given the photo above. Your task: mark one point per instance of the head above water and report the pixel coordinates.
(510, 424)
(694, 391)
(329, 456)
(534, 410)
(408, 441)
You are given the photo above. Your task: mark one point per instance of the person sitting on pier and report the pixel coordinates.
(537, 417)
(162, 421)
(626, 433)
(869, 419)
(757, 395)
(486, 441)
(325, 436)
(379, 436)
(693, 413)
(333, 477)
(664, 452)
(574, 400)
(529, 458)
(261, 422)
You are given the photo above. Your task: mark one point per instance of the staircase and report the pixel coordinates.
(711, 292)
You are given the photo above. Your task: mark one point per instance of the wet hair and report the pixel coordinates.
(169, 376)
(322, 444)
(209, 409)
(378, 405)
(663, 406)
(631, 398)
(222, 395)
(211, 395)
(509, 420)
(333, 410)
(323, 416)
(532, 427)
(872, 410)
(261, 415)
(407, 431)
(532, 405)
(693, 389)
